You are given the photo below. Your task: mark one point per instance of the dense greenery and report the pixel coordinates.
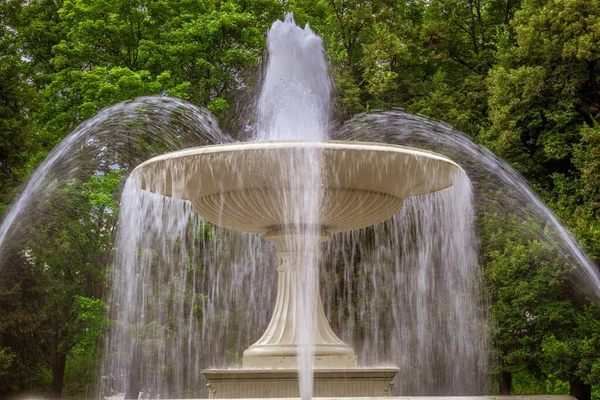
(519, 76)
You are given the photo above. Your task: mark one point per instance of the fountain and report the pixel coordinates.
(244, 187)
(422, 263)
(296, 189)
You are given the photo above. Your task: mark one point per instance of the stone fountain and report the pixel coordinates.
(241, 186)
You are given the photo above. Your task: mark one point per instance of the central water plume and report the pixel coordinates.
(294, 102)
(294, 105)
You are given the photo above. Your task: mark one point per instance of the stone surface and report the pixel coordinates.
(240, 185)
(256, 383)
(277, 348)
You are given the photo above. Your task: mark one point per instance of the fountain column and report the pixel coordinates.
(278, 346)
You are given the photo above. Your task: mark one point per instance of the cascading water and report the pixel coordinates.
(418, 281)
(494, 180)
(178, 288)
(294, 105)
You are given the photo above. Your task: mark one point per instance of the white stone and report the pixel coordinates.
(249, 383)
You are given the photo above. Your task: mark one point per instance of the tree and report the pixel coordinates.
(68, 309)
(17, 98)
(544, 86)
(197, 51)
(541, 327)
(22, 358)
(543, 106)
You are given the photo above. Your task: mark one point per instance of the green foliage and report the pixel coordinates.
(22, 367)
(17, 97)
(520, 76)
(540, 327)
(525, 383)
(100, 189)
(90, 322)
(7, 358)
(545, 86)
(117, 50)
(575, 195)
(587, 161)
(81, 374)
(62, 313)
(82, 363)
(543, 111)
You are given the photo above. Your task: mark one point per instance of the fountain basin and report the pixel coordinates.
(243, 186)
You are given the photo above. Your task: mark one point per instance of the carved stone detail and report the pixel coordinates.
(388, 390)
(283, 383)
(212, 391)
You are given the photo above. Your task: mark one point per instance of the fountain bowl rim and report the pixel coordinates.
(295, 144)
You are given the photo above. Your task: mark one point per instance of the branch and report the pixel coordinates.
(458, 60)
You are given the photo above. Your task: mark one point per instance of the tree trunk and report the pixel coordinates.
(580, 390)
(505, 382)
(58, 362)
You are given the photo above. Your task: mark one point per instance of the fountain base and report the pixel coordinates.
(326, 361)
(283, 383)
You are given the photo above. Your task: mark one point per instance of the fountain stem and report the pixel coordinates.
(278, 347)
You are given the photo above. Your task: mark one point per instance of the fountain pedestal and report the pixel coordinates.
(243, 186)
(278, 347)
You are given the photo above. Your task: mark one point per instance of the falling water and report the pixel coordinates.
(494, 180)
(405, 293)
(176, 290)
(118, 137)
(408, 294)
(180, 288)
